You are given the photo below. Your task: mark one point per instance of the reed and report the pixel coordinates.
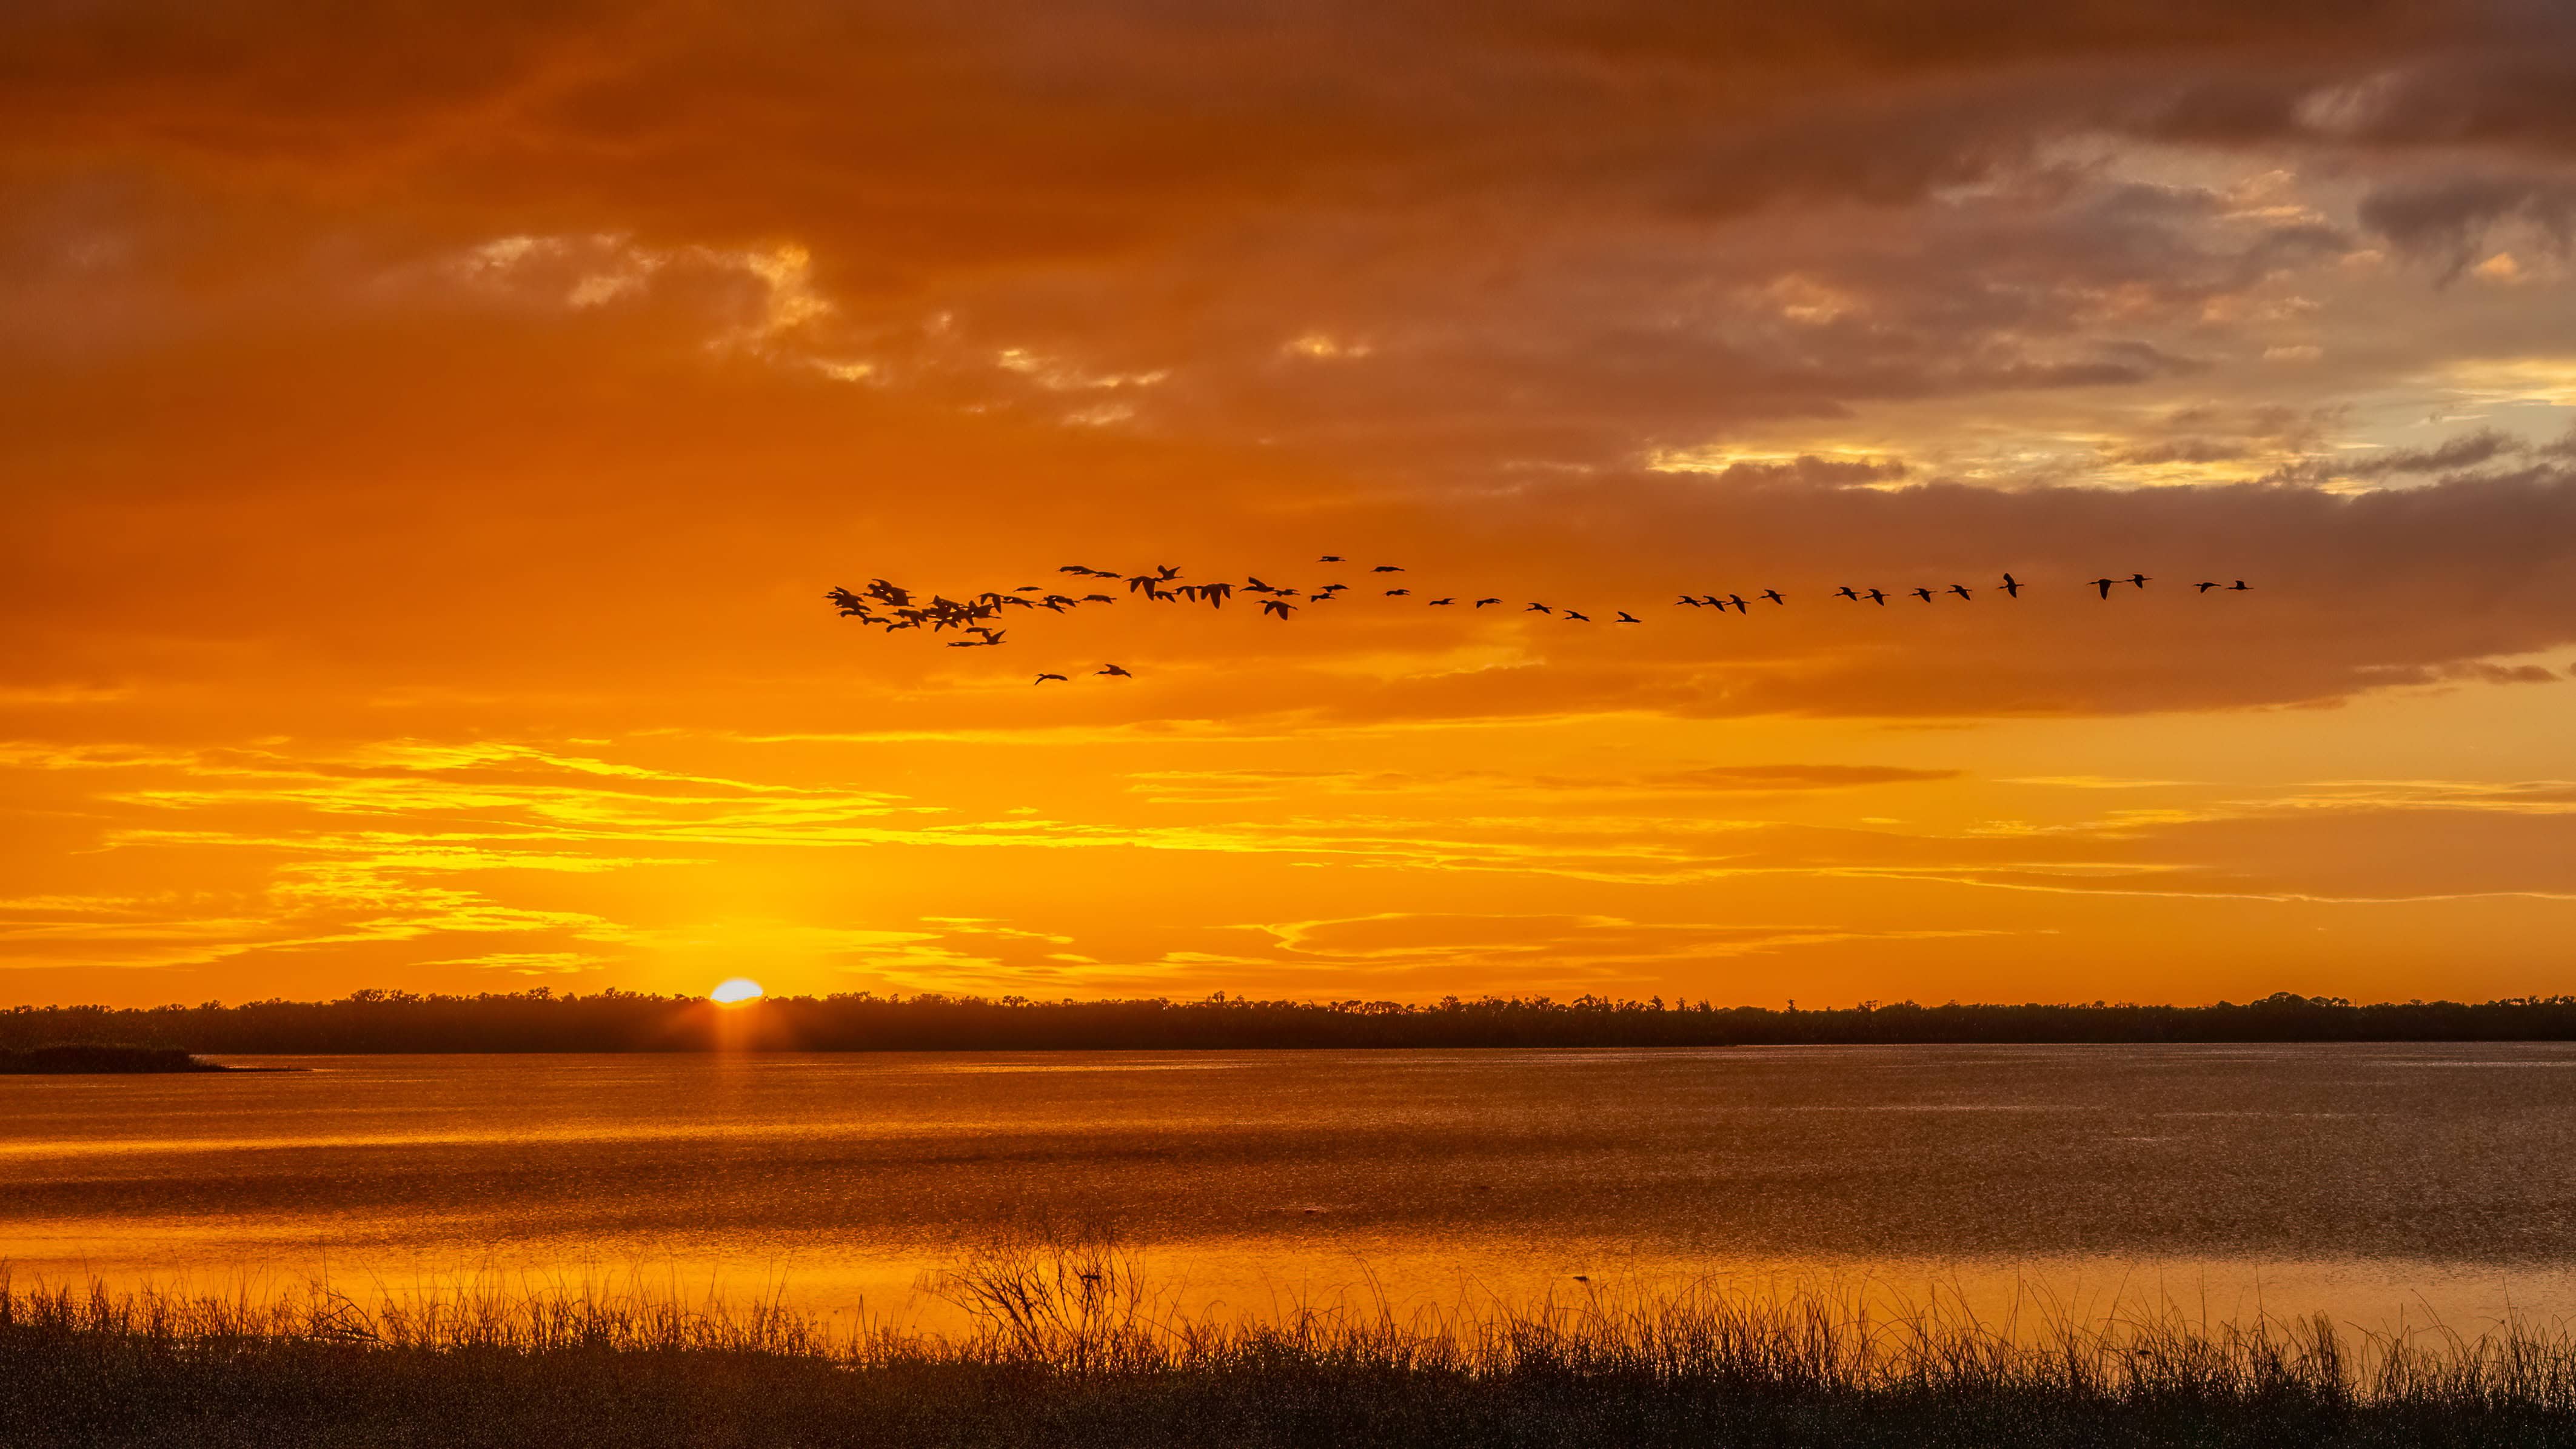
(1070, 1344)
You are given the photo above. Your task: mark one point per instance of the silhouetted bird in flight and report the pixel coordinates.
(1538, 609)
(1274, 606)
(1878, 598)
(1579, 618)
(1116, 672)
(1480, 603)
(1626, 618)
(1098, 599)
(1028, 589)
(1846, 592)
(1773, 595)
(1436, 603)
(991, 636)
(1254, 585)
(1083, 569)
(2105, 586)
(2205, 585)
(1330, 558)
(1397, 593)
(1168, 571)
(1687, 599)
(1387, 569)
(2012, 587)
(2237, 587)
(1043, 678)
(2139, 579)
(1738, 601)
(1962, 591)
(1924, 594)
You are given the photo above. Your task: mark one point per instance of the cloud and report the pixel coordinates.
(2449, 219)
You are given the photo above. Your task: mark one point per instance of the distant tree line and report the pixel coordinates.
(618, 1021)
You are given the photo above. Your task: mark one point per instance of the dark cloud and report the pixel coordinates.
(1816, 472)
(1799, 777)
(2449, 219)
(2466, 451)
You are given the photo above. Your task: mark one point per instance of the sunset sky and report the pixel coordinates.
(427, 432)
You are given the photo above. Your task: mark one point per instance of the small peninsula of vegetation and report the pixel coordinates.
(82, 1058)
(615, 1021)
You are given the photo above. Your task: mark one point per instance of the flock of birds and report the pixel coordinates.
(891, 607)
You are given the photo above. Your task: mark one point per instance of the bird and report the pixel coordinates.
(1028, 589)
(1115, 672)
(2105, 586)
(2012, 587)
(991, 636)
(1436, 603)
(2238, 587)
(1388, 569)
(1098, 599)
(1330, 558)
(1480, 603)
(1845, 592)
(1397, 593)
(1073, 568)
(1738, 601)
(1274, 606)
(1168, 571)
(1924, 594)
(2139, 579)
(1043, 678)
(1253, 585)
(1687, 599)
(1962, 591)
(1773, 595)
(1579, 617)
(1626, 618)
(2205, 585)
(1538, 609)
(1877, 597)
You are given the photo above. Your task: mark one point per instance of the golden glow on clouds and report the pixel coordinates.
(422, 487)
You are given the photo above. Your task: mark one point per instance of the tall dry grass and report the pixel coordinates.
(1075, 1327)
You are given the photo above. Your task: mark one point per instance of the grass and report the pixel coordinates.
(84, 1058)
(1070, 1347)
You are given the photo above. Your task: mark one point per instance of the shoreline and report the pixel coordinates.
(1069, 1351)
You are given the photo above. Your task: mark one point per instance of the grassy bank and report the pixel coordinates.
(1069, 1350)
(91, 1059)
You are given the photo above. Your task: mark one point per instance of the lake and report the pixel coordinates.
(2366, 1181)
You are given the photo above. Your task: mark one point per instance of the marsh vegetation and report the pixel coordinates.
(1070, 1345)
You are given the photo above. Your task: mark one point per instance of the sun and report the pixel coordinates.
(735, 991)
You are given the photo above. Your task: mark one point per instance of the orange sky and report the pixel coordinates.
(426, 435)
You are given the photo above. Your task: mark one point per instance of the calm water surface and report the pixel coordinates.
(2364, 1180)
